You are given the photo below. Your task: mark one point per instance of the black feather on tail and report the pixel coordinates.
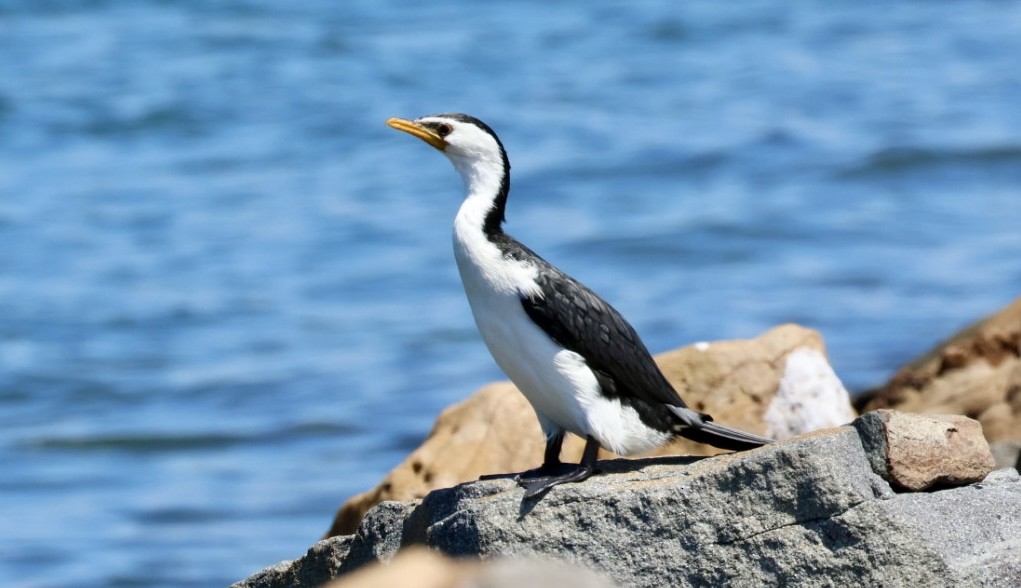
(700, 428)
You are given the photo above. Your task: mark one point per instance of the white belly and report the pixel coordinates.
(557, 383)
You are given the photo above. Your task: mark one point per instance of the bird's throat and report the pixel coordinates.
(487, 184)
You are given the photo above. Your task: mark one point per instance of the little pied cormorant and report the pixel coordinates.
(582, 367)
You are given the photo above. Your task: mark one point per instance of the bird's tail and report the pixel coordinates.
(700, 428)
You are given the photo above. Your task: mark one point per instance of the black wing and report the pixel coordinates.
(578, 319)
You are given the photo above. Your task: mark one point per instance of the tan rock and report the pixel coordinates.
(773, 385)
(977, 373)
(778, 384)
(412, 568)
(916, 452)
(418, 567)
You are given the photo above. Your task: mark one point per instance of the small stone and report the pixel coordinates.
(1006, 453)
(916, 452)
(1002, 476)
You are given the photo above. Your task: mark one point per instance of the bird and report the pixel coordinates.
(578, 362)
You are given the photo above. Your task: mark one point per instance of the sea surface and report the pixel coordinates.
(227, 295)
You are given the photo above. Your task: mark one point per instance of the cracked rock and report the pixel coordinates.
(808, 511)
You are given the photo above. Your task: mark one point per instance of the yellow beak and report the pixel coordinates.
(424, 133)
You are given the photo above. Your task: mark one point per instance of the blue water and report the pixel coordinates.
(227, 298)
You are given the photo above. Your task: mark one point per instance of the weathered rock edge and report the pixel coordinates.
(808, 511)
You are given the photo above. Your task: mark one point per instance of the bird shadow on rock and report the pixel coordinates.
(603, 468)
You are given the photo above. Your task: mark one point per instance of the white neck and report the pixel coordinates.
(481, 178)
(484, 269)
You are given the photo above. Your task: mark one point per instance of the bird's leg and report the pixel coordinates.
(551, 457)
(550, 474)
(551, 464)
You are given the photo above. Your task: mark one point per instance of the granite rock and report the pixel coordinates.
(320, 564)
(808, 511)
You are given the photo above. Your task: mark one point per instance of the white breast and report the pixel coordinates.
(558, 383)
(494, 286)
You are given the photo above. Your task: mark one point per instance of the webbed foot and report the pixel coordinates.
(536, 482)
(553, 473)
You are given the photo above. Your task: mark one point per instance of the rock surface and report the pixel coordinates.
(977, 373)
(808, 511)
(779, 384)
(916, 452)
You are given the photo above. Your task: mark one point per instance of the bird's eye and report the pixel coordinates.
(443, 129)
